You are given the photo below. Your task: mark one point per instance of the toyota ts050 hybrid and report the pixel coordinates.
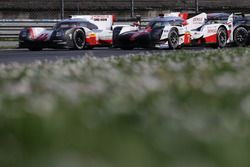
(219, 29)
(211, 29)
(174, 30)
(78, 32)
(161, 32)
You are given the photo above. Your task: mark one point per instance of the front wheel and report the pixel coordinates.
(173, 39)
(79, 39)
(221, 37)
(241, 36)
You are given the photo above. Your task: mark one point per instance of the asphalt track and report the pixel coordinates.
(8, 56)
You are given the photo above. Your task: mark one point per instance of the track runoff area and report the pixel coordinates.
(9, 56)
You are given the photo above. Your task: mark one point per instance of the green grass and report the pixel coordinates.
(9, 39)
(177, 109)
(8, 47)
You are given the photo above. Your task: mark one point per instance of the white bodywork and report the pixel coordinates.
(230, 23)
(127, 28)
(198, 28)
(165, 34)
(103, 22)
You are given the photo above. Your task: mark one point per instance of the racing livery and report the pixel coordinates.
(240, 30)
(174, 30)
(78, 32)
(161, 32)
(209, 29)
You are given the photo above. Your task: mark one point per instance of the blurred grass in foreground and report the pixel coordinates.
(177, 109)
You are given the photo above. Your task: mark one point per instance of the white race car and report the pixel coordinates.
(210, 29)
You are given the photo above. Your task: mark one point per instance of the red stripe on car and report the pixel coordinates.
(211, 39)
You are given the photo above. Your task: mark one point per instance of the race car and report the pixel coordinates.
(161, 32)
(77, 32)
(208, 29)
(240, 29)
(237, 26)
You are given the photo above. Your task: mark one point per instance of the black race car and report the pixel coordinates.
(69, 33)
(161, 32)
(241, 29)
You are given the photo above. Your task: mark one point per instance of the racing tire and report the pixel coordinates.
(35, 48)
(79, 39)
(173, 39)
(240, 36)
(116, 33)
(222, 37)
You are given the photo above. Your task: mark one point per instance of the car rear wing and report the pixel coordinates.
(239, 14)
(103, 22)
(243, 15)
(183, 15)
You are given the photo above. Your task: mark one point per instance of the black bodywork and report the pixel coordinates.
(61, 36)
(241, 32)
(145, 37)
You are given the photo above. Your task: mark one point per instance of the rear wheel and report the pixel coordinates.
(173, 39)
(221, 37)
(79, 39)
(241, 36)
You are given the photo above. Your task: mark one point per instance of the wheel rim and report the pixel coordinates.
(241, 36)
(174, 39)
(222, 38)
(79, 39)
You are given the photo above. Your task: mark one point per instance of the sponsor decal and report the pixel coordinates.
(198, 20)
(100, 17)
(211, 30)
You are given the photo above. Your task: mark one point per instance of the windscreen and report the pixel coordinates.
(67, 25)
(158, 24)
